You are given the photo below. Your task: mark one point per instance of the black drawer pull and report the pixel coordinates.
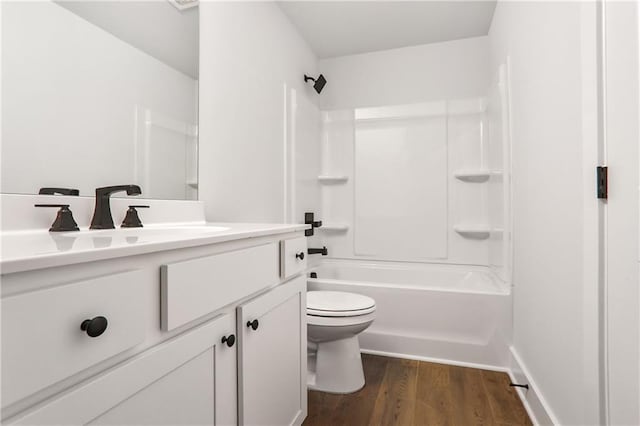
(253, 324)
(229, 340)
(300, 255)
(94, 327)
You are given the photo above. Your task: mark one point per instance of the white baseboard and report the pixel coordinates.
(532, 399)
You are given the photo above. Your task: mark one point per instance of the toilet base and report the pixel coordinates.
(337, 367)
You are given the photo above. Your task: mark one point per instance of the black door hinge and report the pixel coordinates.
(602, 182)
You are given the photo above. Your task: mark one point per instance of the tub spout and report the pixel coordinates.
(323, 251)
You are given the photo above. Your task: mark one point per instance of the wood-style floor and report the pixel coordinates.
(406, 392)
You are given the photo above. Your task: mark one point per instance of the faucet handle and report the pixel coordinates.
(131, 219)
(309, 220)
(64, 220)
(61, 191)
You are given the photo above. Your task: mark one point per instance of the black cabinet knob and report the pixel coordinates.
(229, 340)
(94, 327)
(253, 324)
(300, 255)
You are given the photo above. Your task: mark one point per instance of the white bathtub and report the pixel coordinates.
(451, 314)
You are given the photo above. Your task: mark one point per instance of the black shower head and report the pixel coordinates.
(318, 82)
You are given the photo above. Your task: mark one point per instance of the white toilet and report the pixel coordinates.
(334, 320)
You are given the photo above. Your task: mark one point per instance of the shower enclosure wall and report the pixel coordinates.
(415, 209)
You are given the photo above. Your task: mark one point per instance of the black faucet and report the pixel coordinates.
(323, 251)
(102, 218)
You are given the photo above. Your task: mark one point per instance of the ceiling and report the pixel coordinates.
(337, 28)
(155, 27)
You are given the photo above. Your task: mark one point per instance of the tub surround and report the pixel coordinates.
(461, 221)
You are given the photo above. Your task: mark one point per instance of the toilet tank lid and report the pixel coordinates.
(338, 301)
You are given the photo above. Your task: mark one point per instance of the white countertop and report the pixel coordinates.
(29, 250)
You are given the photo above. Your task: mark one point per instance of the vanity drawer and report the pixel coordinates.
(197, 287)
(293, 256)
(42, 339)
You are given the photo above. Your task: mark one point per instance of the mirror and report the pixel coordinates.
(96, 93)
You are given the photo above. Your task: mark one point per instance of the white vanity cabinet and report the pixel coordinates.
(272, 386)
(189, 379)
(177, 348)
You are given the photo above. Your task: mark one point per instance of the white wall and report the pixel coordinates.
(430, 72)
(251, 58)
(69, 100)
(543, 41)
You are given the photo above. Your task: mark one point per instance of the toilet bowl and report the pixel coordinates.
(334, 320)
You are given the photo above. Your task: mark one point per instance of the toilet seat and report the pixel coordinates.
(338, 304)
(315, 320)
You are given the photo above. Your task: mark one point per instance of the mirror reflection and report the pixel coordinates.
(96, 93)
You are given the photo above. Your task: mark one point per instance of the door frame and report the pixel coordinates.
(619, 133)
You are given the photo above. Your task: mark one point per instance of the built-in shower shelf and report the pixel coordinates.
(334, 227)
(478, 175)
(193, 184)
(332, 179)
(476, 232)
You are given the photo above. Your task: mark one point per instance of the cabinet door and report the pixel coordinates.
(190, 379)
(273, 359)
